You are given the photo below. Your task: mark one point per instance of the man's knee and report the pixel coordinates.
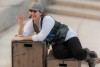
(80, 54)
(60, 52)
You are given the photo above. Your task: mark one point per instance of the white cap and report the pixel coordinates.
(36, 6)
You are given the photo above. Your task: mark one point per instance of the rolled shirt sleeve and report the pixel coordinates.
(28, 29)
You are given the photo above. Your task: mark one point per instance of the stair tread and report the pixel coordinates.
(78, 10)
(86, 2)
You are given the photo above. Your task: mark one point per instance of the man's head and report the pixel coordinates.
(36, 6)
(35, 11)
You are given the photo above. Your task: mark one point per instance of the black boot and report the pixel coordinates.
(90, 61)
(93, 54)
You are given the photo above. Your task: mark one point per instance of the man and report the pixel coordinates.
(62, 38)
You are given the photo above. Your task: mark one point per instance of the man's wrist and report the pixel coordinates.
(18, 35)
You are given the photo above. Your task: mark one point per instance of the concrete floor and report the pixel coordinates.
(87, 31)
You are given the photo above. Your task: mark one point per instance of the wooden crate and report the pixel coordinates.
(53, 62)
(28, 54)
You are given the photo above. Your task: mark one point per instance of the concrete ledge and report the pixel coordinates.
(88, 4)
(71, 11)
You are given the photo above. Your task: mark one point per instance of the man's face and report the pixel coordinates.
(34, 14)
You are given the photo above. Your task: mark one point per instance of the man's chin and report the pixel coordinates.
(30, 16)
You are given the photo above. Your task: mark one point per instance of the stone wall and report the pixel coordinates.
(9, 9)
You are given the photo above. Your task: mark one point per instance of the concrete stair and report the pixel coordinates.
(80, 8)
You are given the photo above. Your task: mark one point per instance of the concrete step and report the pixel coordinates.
(89, 4)
(10, 2)
(74, 11)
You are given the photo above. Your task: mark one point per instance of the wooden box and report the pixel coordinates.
(53, 62)
(28, 54)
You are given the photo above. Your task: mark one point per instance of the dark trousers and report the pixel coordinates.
(69, 49)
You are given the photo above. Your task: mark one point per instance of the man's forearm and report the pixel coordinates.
(23, 38)
(21, 30)
(27, 38)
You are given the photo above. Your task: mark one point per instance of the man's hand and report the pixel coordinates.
(20, 20)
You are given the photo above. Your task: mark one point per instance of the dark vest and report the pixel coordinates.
(58, 33)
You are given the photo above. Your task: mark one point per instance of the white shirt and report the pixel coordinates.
(47, 25)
